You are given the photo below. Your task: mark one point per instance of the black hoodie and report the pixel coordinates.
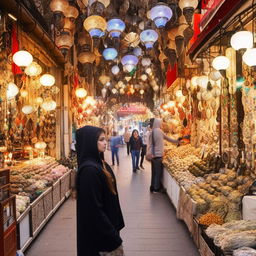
(99, 216)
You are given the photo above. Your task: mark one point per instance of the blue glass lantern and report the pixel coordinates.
(109, 53)
(115, 70)
(129, 62)
(96, 33)
(160, 14)
(137, 51)
(148, 37)
(115, 27)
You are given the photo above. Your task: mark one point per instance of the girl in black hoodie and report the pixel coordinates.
(99, 216)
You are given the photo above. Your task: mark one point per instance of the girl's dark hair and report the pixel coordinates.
(135, 130)
(109, 178)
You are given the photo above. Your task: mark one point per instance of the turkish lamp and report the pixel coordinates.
(156, 88)
(71, 12)
(95, 25)
(221, 63)
(141, 91)
(109, 53)
(104, 79)
(86, 57)
(114, 90)
(47, 80)
(216, 91)
(178, 93)
(58, 7)
(146, 62)
(12, 91)
(115, 70)
(148, 38)
(22, 58)
(34, 69)
(188, 7)
(121, 91)
(132, 91)
(144, 77)
(41, 145)
(203, 82)
(81, 93)
(64, 41)
(28, 109)
(129, 62)
(69, 25)
(249, 57)
(105, 3)
(49, 105)
(39, 100)
(160, 14)
(148, 71)
(137, 51)
(171, 104)
(115, 27)
(104, 92)
(242, 40)
(215, 75)
(23, 93)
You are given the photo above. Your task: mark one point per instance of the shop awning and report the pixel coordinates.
(129, 110)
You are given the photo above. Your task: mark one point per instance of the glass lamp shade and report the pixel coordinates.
(242, 40)
(249, 57)
(146, 62)
(49, 105)
(64, 40)
(141, 91)
(215, 75)
(95, 25)
(71, 12)
(47, 80)
(188, 4)
(103, 92)
(12, 91)
(114, 90)
(115, 70)
(23, 93)
(22, 58)
(39, 100)
(28, 109)
(86, 57)
(137, 51)
(179, 93)
(34, 69)
(149, 71)
(129, 62)
(203, 81)
(160, 14)
(194, 81)
(68, 25)
(132, 39)
(148, 38)
(104, 79)
(104, 2)
(122, 91)
(221, 63)
(84, 38)
(110, 53)
(115, 27)
(40, 145)
(59, 5)
(144, 77)
(81, 93)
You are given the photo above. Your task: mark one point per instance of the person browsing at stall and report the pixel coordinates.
(115, 143)
(127, 136)
(99, 215)
(135, 146)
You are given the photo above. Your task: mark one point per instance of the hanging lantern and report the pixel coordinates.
(22, 58)
(146, 62)
(69, 25)
(115, 27)
(104, 2)
(86, 57)
(12, 91)
(203, 82)
(141, 91)
(59, 6)
(23, 93)
(47, 80)
(28, 109)
(188, 7)
(95, 25)
(81, 92)
(242, 40)
(215, 75)
(40, 145)
(49, 105)
(121, 91)
(132, 91)
(104, 79)
(137, 51)
(156, 88)
(160, 14)
(148, 38)
(110, 53)
(115, 70)
(129, 62)
(178, 93)
(149, 71)
(249, 57)
(216, 91)
(64, 42)
(34, 69)
(89, 101)
(103, 92)
(71, 12)
(132, 39)
(39, 100)
(221, 63)
(144, 77)
(114, 90)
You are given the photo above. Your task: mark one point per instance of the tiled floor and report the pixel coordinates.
(151, 225)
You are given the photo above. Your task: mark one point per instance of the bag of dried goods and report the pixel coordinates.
(213, 230)
(244, 251)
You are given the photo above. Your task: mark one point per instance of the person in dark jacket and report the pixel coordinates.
(99, 215)
(135, 147)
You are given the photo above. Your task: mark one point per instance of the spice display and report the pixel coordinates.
(210, 218)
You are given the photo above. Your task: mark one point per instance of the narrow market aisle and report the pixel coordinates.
(151, 225)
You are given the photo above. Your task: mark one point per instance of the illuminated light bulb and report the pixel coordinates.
(12, 91)
(221, 63)
(47, 80)
(81, 92)
(22, 58)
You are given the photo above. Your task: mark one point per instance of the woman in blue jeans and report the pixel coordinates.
(135, 147)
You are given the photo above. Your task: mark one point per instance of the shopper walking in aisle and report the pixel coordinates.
(115, 143)
(144, 145)
(127, 136)
(135, 146)
(99, 216)
(156, 149)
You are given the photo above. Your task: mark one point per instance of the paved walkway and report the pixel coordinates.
(151, 225)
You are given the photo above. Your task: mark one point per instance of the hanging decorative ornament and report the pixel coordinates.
(110, 53)
(129, 62)
(104, 92)
(95, 25)
(188, 7)
(144, 77)
(47, 80)
(121, 91)
(141, 91)
(28, 109)
(242, 40)
(34, 69)
(23, 93)
(203, 82)
(114, 90)
(86, 57)
(64, 42)
(160, 14)
(22, 58)
(104, 2)
(49, 105)
(115, 70)
(115, 27)
(221, 63)
(81, 92)
(71, 12)
(149, 71)
(12, 91)
(39, 100)
(137, 51)
(249, 57)
(146, 62)
(40, 145)
(148, 38)
(104, 79)
(216, 91)
(132, 39)
(178, 93)
(215, 75)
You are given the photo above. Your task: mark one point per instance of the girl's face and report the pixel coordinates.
(102, 143)
(135, 134)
